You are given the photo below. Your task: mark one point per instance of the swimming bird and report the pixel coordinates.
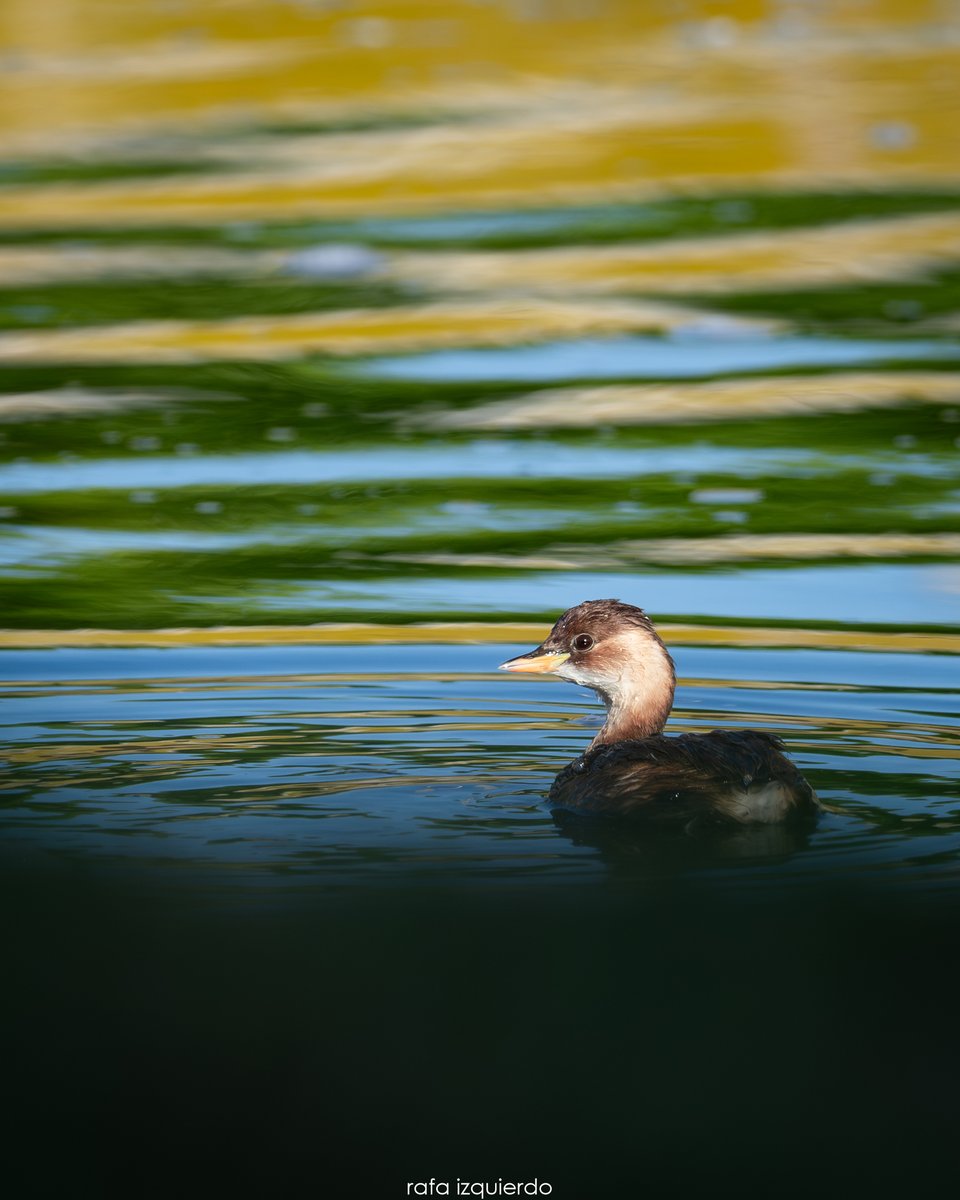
(631, 769)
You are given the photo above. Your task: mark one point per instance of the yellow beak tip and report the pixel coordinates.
(543, 664)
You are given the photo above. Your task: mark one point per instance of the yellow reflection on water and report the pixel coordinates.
(472, 633)
(694, 400)
(350, 332)
(566, 99)
(848, 252)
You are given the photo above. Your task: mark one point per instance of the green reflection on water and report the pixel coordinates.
(181, 547)
(894, 306)
(691, 216)
(63, 305)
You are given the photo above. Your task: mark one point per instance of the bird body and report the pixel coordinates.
(631, 769)
(736, 776)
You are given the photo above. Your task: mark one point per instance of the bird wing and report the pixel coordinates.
(683, 778)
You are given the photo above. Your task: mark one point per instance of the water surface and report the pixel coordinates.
(333, 340)
(336, 767)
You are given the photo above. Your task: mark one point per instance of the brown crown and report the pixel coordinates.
(600, 618)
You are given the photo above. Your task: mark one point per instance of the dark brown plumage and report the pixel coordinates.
(735, 776)
(725, 777)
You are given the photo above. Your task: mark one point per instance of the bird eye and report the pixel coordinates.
(583, 641)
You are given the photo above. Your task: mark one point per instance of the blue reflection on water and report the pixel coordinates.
(907, 594)
(678, 357)
(486, 458)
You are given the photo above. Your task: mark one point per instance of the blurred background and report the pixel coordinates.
(423, 321)
(337, 311)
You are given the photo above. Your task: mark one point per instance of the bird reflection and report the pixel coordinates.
(645, 851)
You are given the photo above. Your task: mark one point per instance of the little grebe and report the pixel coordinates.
(725, 777)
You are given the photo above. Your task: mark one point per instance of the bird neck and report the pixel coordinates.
(639, 701)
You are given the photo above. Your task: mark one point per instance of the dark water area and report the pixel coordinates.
(586, 1037)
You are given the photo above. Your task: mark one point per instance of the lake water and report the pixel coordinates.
(326, 875)
(341, 349)
(268, 772)
(254, 890)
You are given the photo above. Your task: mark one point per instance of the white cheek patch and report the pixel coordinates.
(569, 672)
(613, 691)
(616, 676)
(581, 673)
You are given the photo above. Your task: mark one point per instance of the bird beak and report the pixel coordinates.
(537, 662)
